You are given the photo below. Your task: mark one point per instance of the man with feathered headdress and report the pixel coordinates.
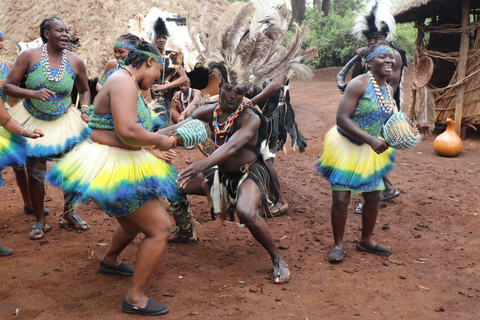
(377, 25)
(246, 51)
(173, 74)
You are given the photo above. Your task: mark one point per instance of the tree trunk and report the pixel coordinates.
(298, 10)
(318, 3)
(326, 7)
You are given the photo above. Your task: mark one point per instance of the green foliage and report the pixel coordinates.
(406, 38)
(332, 34)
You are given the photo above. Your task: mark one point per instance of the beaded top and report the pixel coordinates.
(4, 70)
(369, 114)
(144, 116)
(108, 74)
(54, 107)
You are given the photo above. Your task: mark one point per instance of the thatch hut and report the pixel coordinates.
(96, 22)
(447, 33)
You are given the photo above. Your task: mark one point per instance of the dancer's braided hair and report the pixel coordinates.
(136, 59)
(45, 25)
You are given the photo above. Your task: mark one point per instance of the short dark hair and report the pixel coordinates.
(45, 25)
(136, 59)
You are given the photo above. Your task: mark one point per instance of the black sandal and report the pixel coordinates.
(38, 230)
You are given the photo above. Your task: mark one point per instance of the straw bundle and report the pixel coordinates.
(445, 100)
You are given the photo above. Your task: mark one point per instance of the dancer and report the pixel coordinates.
(121, 48)
(20, 171)
(236, 171)
(124, 179)
(378, 25)
(12, 148)
(172, 76)
(5, 67)
(50, 71)
(185, 102)
(355, 158)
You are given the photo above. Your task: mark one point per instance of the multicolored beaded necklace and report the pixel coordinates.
(46, 65)
(138, 88)
(227, 125)
(387, 106)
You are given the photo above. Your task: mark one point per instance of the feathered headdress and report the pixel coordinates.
(155, 25)
(377, 20)
(246, 48)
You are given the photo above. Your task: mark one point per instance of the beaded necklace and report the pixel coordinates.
(387, 106)
(227, 125)
(136, 84)
(46, 65)
(188, 98)
(2, 63)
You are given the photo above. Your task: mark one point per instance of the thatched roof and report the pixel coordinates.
(413, 10)
(97, 22)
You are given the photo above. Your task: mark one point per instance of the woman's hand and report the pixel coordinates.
(36, 133)
(166, 156)
(378, 145)
(44, 94)
(85, 117)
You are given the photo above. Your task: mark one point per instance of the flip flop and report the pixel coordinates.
(359, 208)
(336, 256)
(39, 230)
(30, 211)
(278, 272)
(379, 249)
(71, 225)
(122, 269)
(177, 237)
(152, 308)
(387, 196)
(278, 211)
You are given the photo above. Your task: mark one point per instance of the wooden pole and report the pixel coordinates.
(419, 46)
(462, 66)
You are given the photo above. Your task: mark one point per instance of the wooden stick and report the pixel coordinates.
(462, 66)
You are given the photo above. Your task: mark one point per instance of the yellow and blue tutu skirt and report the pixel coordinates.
(61, 134)
(353, 167)
(13, 150)
(118, 180)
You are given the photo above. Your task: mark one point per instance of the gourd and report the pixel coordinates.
(448, 144)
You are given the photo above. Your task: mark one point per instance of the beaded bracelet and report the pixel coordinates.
(21, 131)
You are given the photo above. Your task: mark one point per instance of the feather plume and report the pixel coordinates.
(247, 48)
(376, 19)
(154, 24)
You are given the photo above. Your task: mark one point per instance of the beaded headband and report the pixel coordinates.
(1, 34)
(378, 51)
(153, 55)
(121, 45)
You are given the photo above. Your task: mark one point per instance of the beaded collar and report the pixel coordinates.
(387, 106)
(227, 125)
(2, 63)
(46, 65)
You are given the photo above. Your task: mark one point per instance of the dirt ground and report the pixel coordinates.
(433, 228)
